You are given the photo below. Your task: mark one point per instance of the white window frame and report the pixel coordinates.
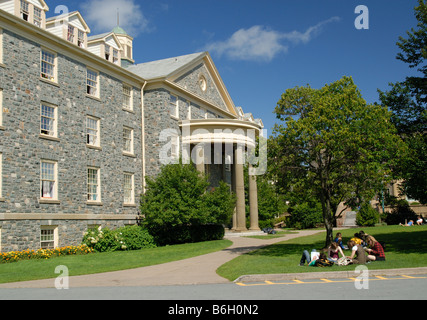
(128, 140)
(128, 188)
(173, 106)
(1, 46)
(93, 181)
(115, 56)
(1, 107)
(51, 120)
(92, 83)
(1, 177)
(51, 177)
(107, 52)
(37, 18)
(48, 235)
(24, 9)
(93, 131)
(48, 59)
(127, 93)
(70, 33)
(80, 38)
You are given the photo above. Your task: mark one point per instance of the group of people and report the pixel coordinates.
(420, 221)
(364, 248)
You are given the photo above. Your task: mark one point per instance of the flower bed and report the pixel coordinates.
(14, 256)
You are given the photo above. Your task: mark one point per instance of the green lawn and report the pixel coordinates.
(105, 262)
(406, 247)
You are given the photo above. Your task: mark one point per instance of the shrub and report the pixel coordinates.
(400, 213)
(305, 215)
(124, 238)
(367, 216)
(179, 200)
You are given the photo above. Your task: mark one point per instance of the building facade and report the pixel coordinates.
(81, 125)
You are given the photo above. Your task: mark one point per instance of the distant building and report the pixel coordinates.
(82, 125)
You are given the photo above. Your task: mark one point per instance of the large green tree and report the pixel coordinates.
(408, 100)
(333, 146)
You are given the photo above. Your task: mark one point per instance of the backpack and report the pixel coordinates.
(323, 263)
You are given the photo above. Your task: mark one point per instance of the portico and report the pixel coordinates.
(221, 148)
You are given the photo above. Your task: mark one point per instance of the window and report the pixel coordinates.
(128, 140)
(48, 180)
(25, 11)
(128, 187)
(173, 106)
(48, 69)
(127, 97)
(92, 83)
(81, 39)
(48, 122)
(115, 56)
(92, 131)
(48, 237)
(37, 17)
(1, 174)
(107, 52)
(70, 34)
(1, 108)
(93, 185)
(1, 47)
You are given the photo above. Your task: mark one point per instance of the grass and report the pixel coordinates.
(406, 247)
(105, 262)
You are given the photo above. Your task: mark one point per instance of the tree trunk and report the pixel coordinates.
(328, 220)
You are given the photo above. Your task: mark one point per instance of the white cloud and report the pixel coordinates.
(262, 44)
(101, 16)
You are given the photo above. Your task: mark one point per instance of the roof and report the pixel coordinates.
(67, 16)
(119, 30)
(163, 68)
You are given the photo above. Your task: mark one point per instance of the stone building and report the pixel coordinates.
(81, 125)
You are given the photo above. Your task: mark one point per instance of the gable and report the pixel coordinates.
(201, 78)
(199, 81)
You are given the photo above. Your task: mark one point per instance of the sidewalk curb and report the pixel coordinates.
(327, 275)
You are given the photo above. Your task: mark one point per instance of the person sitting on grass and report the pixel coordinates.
(338, 240)
(334, 251)
(409, 224)
(315, 260)
(420, 220)
(375, 250)
(358, 255)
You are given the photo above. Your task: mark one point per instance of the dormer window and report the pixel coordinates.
(81, 39)
(25, 11)
(107, 52)
(37, 17)
(70, 33)
(115, 56)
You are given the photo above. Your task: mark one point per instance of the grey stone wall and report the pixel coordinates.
(23, 149)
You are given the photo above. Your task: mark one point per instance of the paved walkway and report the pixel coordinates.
(196, 270)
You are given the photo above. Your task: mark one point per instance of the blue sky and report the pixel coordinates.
(262, 48)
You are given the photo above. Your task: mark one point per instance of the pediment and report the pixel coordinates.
(201, 78)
